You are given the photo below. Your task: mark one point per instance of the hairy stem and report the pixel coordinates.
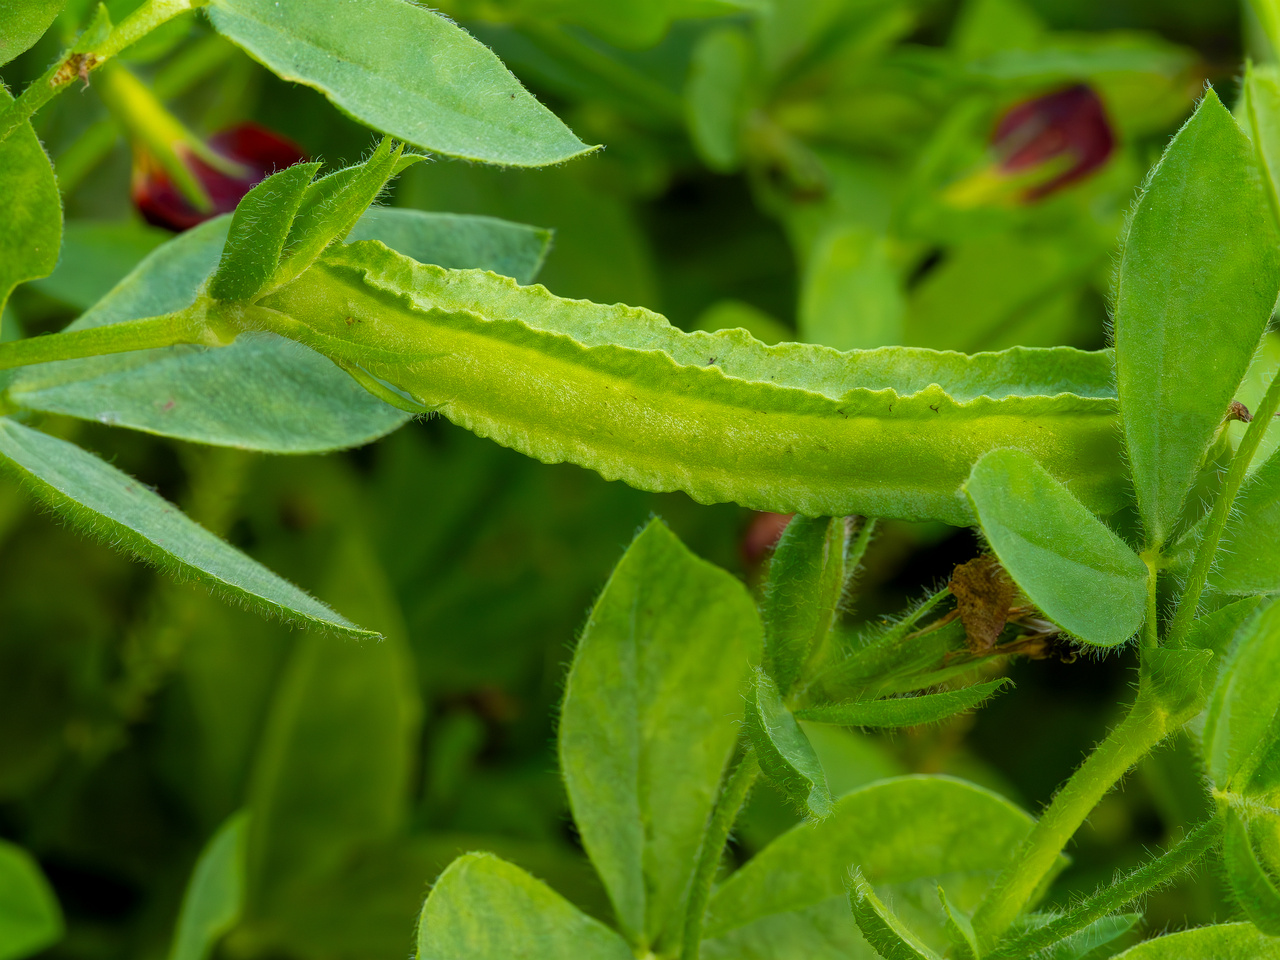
(77, 62)
(162, 331)
(1180, 857)
(732, 797)
(1189, 604)
(1143, 727)
(1151, 628)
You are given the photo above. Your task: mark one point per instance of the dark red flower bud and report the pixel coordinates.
(254, 148)
(761, 536)
(1067, 131)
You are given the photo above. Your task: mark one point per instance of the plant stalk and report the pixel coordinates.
(1180, 857)
(1143, 728)
(732, 797)
(1189, 603)
(163, 331)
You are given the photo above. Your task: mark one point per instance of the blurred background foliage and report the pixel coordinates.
(808, 169)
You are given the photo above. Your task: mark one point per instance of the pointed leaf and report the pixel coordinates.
(30, 919)
(1224, 941)
(959, 929)
(1248, 560)
(259, 228)
(31, 226)
(1254, 890)
(1067, 561)
(904, 711)
(405, 71)
(483, 908)
(1198, 277)
(716, 96)
(1087, 942)
(648, 723)
(852, 297)
(215, 894)
(885, 932)
(786, 756)
(113, 506)
(22, 23)
(802, 594)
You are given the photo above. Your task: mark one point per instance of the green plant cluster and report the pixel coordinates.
(1069, 356)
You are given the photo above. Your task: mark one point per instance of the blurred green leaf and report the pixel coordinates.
(95, 256)
(851, 297)
(30, 919)
(785, 754)
(214, 897)
(1255, 891)
(483, 908)
(1197, 280)
(1067, 561)
(986, 27)
(1248, 560)
(31, 228)
(1089, 942)
(648, 724)
(716, 96)
(109, 504)
(890, 937)
(259, 229)
(23, 22)
(1225, 941)
(405, 71)
(959, 929)
(903, 711)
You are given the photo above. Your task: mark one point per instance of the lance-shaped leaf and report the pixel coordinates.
(1254, 889)
(959, 928)
(262, 392)
(403, 70)
(30, 919)
(802, 595)
(886, 933)
(1067, 561)
(1223, 941)
(259, 228)
(214, 897)
(484, 908)
(1248, 561)
(1197, 280)
(852, 297)
(31, 225)
(716, 96)
(785, 753)
(1242, 725)
(649, 721)
(903, 711)
(22, 23)
(111, 505)
(718, 415)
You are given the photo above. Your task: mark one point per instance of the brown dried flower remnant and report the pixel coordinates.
(984, 596)
(1238, 411)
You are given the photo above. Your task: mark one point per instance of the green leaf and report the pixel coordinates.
(716, 97)
(904, 711)
(332, 205)
(1248, 560)
(30, 919)
(851, 297)
(959, 929)
(1088, 942)
(895, 831)
(1253, 889)
(337, 757)
(22, 23)
(118, 509)
(1175, 679)
(405, 71)
(785, 754)
(483, 908)
(215, 893)
(884, 931)
(259, 228)
(262, 392)
(1197, 280)
(1224, 941)
(648, 723)
(31, 228)
(801, 597)
(1242, 727)
(95, 256)
(773, 428)
(1067, 561)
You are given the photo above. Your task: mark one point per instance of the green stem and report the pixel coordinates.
(732, 797)
(1151, 628)
(1129, 742)
(1189, 604)
(1180, 857)
(82, 58)
(163, 331)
